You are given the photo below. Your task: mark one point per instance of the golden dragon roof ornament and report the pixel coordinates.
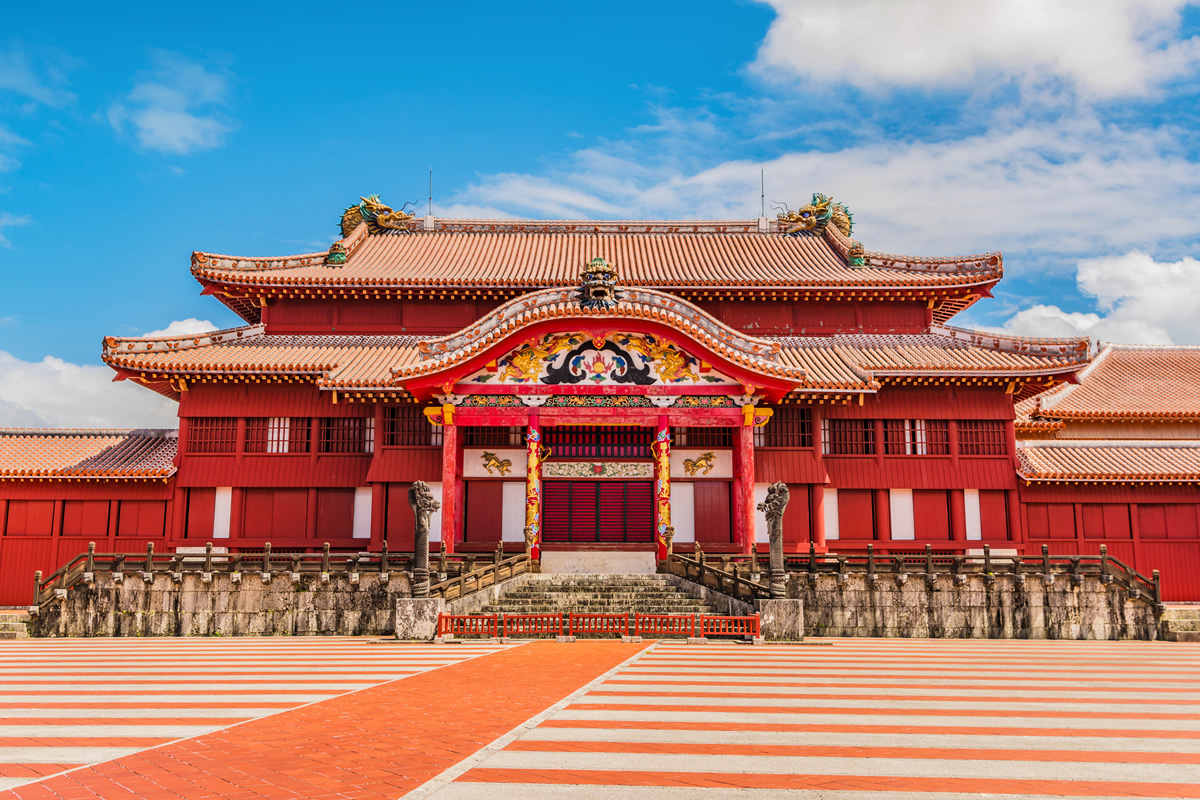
(378, 217)
(816, 215)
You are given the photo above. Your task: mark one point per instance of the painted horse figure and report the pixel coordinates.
(705, 462)
(490, 460)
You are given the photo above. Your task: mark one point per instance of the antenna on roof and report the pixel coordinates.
(431, 191)
(762, 198)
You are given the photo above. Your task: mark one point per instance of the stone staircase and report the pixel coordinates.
(596, 594)
(1181, 624)
(14, 625)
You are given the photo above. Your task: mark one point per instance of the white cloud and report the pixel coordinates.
(1103, 48)
(37, 77)
(1139, 300)
(176, 108)
(8, 220)
(55, 393)
(1071, 187)
(184, 327)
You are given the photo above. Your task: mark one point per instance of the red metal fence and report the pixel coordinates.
(599, 623)
(514, 624)
(468, 625)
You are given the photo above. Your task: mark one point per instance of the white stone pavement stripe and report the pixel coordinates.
(106, 731)
(216, 711)
(148, 697)
(63, 755)
(930, 720)
(533, 791)
(925, 679)
(893, 767)
(879, 673)
(871, 705)
(77, 689)
(925, 691)
(833, 739)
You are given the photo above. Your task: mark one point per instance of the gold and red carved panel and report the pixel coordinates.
(614, 359)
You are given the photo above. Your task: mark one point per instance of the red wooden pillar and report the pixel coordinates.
(883, 516)
(237, 497)
(818, 516)
(534, 453)
(449, 482)
(378, 518)
(179, 513)
(744, 486)
(662, 484)
(1016, 519)
(958, 515)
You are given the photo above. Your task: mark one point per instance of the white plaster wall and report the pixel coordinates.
(900, 504)
(222, 509)
(435, 521)
(362, 512)
(833, 528)
(722, 463)
(760, 517)
(473, 463)
(512, 512)
(683, 511)
(974, 520)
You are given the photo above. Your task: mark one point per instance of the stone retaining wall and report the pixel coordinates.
(251, 607)
(973, 609)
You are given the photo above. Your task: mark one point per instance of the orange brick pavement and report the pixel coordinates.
(376, 743)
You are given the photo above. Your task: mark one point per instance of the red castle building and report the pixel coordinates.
(606, 385)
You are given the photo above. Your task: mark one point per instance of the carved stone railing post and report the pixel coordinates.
(774, 506)
(421, 500)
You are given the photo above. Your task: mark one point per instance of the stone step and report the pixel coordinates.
(14, 617)
(1182, 614)
(1179, 625)
(13, 630)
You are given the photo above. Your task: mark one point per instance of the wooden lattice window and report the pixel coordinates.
(492, 436)
(789, 426)
(277, 434)
(848, 437)
(347, 435)
(599, 441)
(407, 426)
(702, 437)
(982, 437)
(916, 437)
(212, 435)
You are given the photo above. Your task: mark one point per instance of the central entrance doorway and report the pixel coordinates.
(608, 512)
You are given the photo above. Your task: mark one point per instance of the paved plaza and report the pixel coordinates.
(347, 718)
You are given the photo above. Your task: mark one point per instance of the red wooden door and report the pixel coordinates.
(713, 519)
(484, 502)
(597, 511)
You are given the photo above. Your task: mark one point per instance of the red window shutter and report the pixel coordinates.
(856, 518)
(1152, 520)
(30, 518)
(581, 524)
(993, 514)
(1037, 518)
(1116, 521)
(931, 514)
(639, 512)
(1093, 522)
(1181, 522)
(290, 513)
(796, 517)
(257, 511)
(483, 514)
(556, 510)
(85, 518)
(335, 514)
(400, 521)
(200, 511)
(1062, 520)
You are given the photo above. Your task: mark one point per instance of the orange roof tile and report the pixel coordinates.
(541, 253)
(96, 454)
(842, 362)
(1129, 382)
(1109, 461)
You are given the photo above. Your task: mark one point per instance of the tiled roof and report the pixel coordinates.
(1109, 461)
(89, 454)
(846, 362)
(1130, 382)
(539, 253)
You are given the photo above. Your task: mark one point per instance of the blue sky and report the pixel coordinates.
(1061, 132)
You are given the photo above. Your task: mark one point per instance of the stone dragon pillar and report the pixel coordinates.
(774, 506)
(420, 499)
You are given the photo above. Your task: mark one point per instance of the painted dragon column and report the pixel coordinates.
(661, 450)
(535, 453)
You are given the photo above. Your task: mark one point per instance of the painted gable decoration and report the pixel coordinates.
(612, 360)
